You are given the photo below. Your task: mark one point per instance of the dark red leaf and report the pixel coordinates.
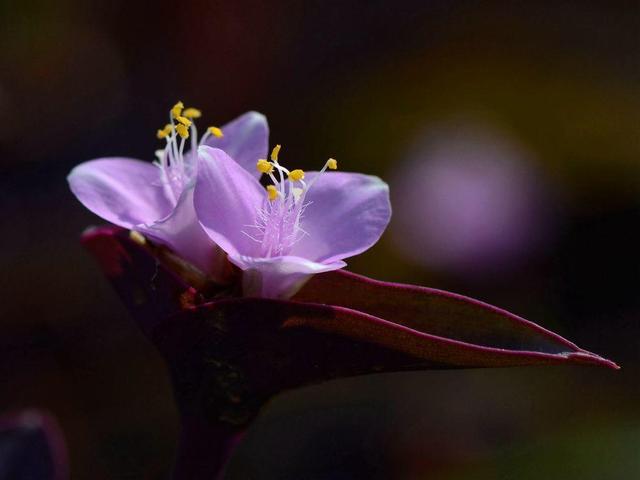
(229, 355)
(460, 331)
(339, 324)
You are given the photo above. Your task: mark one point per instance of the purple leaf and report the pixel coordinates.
(228, 355)
(237, 353)
(460, 331)
(150, 291)
(340, 324)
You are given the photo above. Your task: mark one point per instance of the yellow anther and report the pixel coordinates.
(332, 164)
(183, 120)
(137, 237)
(264, 167)
(296, 175)
(192, 113)
(164, 132)
(176, 111)
(182, 130)
(216, 132)
(275, 152)
(272, 192)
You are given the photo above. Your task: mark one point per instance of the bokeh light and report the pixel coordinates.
(469, 200)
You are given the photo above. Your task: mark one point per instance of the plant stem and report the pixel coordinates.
(204, 449)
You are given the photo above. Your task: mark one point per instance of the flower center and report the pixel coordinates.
(278, 225)
(178, 168)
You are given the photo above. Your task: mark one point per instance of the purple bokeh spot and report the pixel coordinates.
(469, 200)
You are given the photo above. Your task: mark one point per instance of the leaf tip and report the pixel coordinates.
(584, 356)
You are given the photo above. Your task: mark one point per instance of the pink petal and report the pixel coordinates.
(183, 233)
(278, 277)
(123, 191)
(226, 199)
(346, 215)
(245, 139)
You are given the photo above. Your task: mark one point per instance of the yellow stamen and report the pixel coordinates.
(264, 167)
(296, 175)
(164, 132)
(137, 237)
(272, 192)
(216, 132)
(182, 130)
(176, 111)
(275, 152)
(192, 113)
(297, 193)
(183, 120)
(332, 164)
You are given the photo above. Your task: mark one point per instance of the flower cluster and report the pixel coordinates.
(209, 207)
(203, 199)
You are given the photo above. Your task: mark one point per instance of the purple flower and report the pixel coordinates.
(230, 354)
(303, 224)
(157, 198)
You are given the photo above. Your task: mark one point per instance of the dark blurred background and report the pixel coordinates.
(509, 133)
